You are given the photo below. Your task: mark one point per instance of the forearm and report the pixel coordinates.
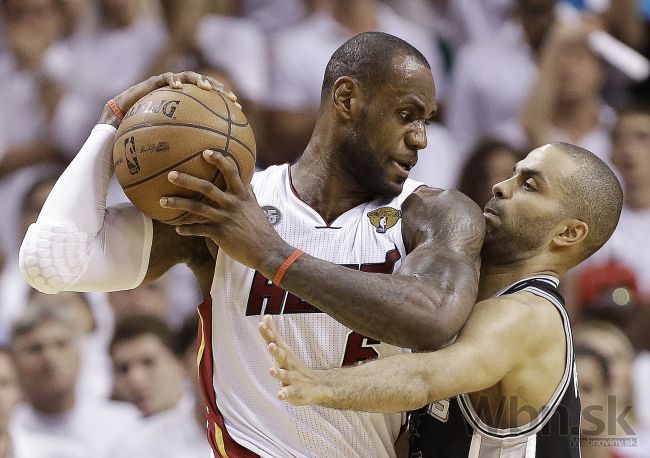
(399, 309)
(396, 384)
(409, 381)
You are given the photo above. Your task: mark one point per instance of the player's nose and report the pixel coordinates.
(500, 190)
(417, 137)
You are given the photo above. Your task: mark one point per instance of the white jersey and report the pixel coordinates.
(367, 237)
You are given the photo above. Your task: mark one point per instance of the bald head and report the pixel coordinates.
(592, 194)
(367, 57)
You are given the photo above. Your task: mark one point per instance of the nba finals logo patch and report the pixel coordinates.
(384, 218)
(272, 213)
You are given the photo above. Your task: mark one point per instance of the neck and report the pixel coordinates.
(323, 184)
(577, 117)
(54, 405)
(495, 277)
(637, 197)
(5, 444)
(357, 16)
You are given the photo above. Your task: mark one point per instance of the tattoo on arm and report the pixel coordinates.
(427, 302)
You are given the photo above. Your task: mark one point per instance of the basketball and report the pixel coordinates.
(167, 130)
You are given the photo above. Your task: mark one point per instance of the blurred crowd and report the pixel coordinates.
(113, 375)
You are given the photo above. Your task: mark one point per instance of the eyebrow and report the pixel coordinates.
(421, 108)
(531, 173)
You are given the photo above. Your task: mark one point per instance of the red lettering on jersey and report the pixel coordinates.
(385, 267)
(359, 348)
(294, 304)
(267, 298)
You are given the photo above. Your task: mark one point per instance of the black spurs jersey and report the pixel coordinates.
(452, 428)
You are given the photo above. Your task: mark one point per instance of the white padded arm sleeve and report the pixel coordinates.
(77, 244)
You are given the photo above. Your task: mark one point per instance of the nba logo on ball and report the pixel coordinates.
(384, 218)
(272, 213)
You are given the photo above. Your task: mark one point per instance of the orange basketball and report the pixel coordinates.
(167, 130)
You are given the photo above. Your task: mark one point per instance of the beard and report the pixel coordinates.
(359, 160)
(513, 239)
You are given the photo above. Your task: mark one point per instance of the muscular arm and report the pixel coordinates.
(77, 244)
(168, 249)
(426, 303)
(501, 326)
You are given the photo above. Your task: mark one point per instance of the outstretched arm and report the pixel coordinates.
(77, 244)
(405, 382)
(421, 307)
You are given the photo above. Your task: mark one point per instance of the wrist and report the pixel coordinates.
(269, 265)
(323, 393)
(108, 117)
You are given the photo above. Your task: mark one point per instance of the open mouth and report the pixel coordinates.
(403, 165)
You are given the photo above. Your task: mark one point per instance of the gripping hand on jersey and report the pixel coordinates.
(236, 223)
(300, 385)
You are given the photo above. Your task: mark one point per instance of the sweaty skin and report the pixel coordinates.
(524, 330)
(362, 146)
(512, 352)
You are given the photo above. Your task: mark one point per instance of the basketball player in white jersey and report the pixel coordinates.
(336, 303)
(511, 369)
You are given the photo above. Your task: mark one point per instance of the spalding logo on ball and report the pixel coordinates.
(168, 129)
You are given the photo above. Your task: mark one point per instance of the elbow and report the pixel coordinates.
(435, 338)
(45, 259)
(440, 326)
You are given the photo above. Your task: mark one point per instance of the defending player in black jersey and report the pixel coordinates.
(511, 368)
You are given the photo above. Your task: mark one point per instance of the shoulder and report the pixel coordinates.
(432, 214)
(522, 317)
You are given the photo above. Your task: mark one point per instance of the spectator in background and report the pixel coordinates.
(490, 162)
(609, 341)
(32, 96)
(179, 433)
(92, 67)
(276, 15)
(492, 78)
(300, 55)
(31, 100)
(14, 441)
(631, 158)
(95, 379)
(149, 373)
(565, 103)
(45, 342)
(225, 41)
(14, 292)
(608, 292)
(594, 387)
(621, 18)
(459, 22)
(169, 298)
(234, 47)
(149, 298)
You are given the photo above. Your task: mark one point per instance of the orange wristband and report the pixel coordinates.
(116, 109)
(277, 278)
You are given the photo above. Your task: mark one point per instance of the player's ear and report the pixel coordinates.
(571, 233)
(346, 97)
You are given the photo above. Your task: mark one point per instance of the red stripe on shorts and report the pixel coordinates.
(218, 436)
